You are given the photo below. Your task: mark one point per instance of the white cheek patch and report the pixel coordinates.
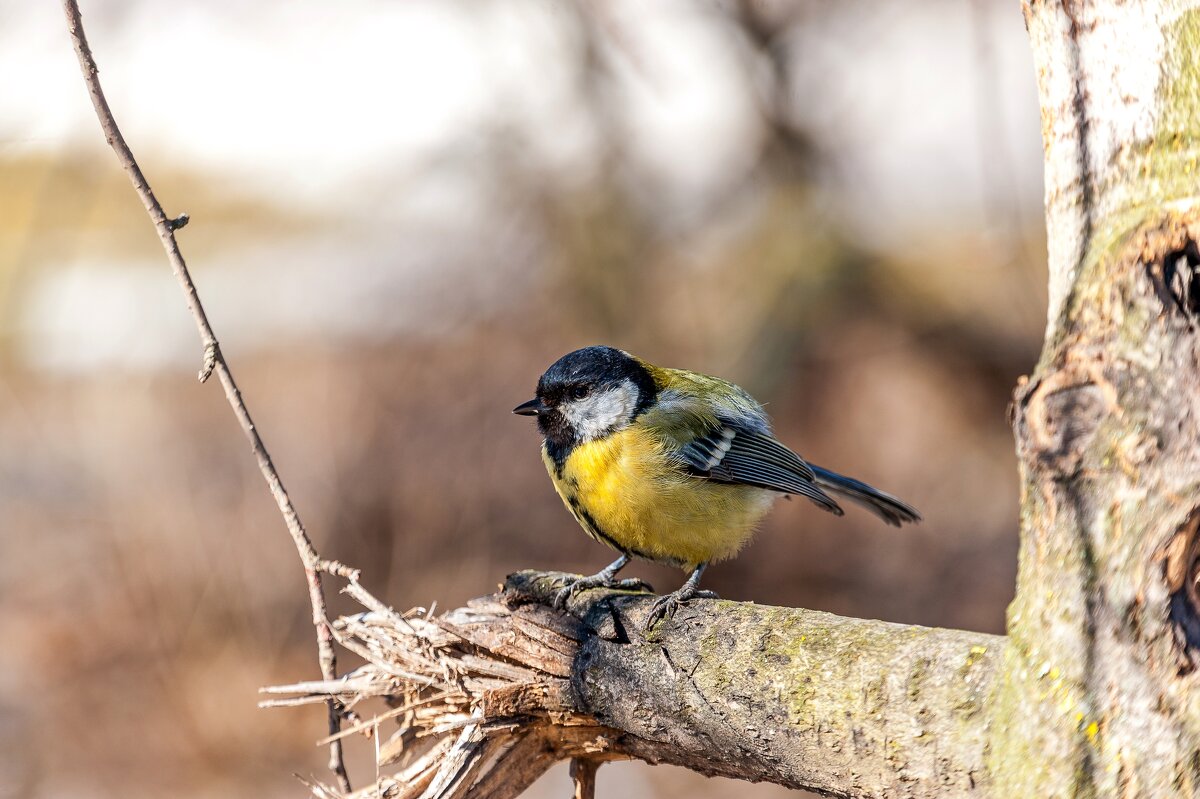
(602, 413)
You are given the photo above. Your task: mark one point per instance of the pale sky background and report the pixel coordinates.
(381, 114)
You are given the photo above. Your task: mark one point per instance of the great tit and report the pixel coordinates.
(671, 466)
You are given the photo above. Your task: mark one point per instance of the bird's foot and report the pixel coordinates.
(579, 584)
(665, 606)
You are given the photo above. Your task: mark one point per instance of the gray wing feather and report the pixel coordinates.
(734, 455)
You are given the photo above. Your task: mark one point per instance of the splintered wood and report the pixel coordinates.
(476, 702)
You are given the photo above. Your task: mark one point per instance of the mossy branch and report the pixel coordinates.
(846, 707)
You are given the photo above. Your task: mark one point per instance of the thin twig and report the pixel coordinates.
(214, 362)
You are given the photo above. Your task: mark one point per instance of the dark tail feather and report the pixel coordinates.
(885, 506)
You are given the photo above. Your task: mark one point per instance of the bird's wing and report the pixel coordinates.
(719, 432)
(716, 431)
(732, 454)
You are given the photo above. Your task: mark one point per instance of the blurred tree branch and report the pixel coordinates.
(214, 361)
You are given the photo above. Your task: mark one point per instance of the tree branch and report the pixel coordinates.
(846, 707)
(214, 361)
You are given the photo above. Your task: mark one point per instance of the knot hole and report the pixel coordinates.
(1176, 279)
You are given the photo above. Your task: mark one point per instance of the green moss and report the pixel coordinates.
(1173, 156)
(916, 675)
(973, 701)
(713, 671)
(803, 650)
(974, 654)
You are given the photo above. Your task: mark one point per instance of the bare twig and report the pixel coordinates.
(214, 362)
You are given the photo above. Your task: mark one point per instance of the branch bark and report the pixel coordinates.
(845, 707)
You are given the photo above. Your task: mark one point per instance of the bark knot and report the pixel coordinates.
(1061, 413)
(1167, 252)
(1176, 279)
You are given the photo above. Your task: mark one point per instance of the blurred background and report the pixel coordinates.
(402, 212)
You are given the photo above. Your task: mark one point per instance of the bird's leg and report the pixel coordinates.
(665, 606)
(605, 578)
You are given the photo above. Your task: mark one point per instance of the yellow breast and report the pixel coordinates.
(625, 492)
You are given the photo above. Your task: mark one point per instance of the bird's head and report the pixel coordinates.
(588, 394)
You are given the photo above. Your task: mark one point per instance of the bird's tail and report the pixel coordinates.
(885, 506)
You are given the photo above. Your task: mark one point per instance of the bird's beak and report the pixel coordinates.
(531, 408)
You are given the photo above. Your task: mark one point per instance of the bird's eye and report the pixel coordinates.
(579, 392)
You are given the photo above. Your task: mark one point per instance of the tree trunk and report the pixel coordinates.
(1092, 694)
(1097, 697)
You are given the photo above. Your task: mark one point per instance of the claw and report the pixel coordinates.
(577, 585)
(567, 592)
(605, 578)
(632, 584)
(665, 606)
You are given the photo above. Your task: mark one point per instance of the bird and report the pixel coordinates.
(671, 466)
